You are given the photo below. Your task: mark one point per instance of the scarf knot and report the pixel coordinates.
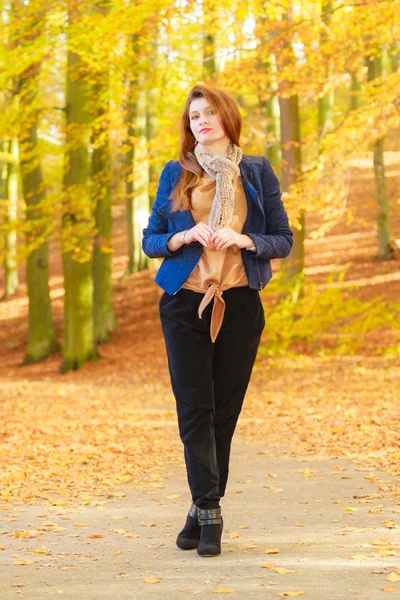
(223, 169)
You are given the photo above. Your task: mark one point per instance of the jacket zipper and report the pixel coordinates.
(259, 277)
(258, 270)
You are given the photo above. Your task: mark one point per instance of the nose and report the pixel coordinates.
(203, 121)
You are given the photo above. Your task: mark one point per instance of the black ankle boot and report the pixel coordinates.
(189, 537)
(211, 524)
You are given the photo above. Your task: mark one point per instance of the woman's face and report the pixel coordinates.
(204, 122)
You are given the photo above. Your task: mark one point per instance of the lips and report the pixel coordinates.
(204, 130)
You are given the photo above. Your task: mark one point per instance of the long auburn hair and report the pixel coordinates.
(231, 122)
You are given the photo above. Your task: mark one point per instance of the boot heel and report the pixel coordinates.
(211, 526)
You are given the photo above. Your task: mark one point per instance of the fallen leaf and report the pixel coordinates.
(393, 576)
(41, 550)
(152, 579)
(122, 531)
(282, 570)
(24, 562)
(290, 593)
(223, 591)
(80, 524)
(95, 535)
(272, 551)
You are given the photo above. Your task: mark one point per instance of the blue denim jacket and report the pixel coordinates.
(266, 224)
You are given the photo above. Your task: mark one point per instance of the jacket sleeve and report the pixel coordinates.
(156, 235)
(278, 240)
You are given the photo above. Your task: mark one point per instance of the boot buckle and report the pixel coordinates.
(209, 516)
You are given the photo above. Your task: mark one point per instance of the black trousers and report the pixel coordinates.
(209, 380)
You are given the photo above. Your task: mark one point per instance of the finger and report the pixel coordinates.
(227, 244)
(215, 236)
(204, 230)
(202, 240)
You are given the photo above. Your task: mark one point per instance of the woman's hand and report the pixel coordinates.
(224, 237)
(201, 232)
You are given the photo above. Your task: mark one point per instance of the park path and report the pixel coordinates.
(316, 527)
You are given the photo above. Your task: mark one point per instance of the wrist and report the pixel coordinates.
(183, 239)
(247, 242)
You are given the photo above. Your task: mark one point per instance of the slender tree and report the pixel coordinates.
(11, 280)
(42, 340)
(103, 312)
(77, 218)
(378, 67)
(325, 102)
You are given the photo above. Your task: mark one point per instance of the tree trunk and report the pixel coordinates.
(152, 122)
(42, 340)
(355, 90)
(378, 67)
(293, 265)
(325, 103)
(103, 312)
(11, 281)
(77, 223)
(273, 150)
(140, 174)
(129, 157)
(209, 39)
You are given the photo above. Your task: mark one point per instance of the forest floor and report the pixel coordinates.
(317, 446)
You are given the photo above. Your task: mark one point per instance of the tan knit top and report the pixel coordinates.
(217, 270)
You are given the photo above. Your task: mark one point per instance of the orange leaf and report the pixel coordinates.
(282, 570)
(41, 550)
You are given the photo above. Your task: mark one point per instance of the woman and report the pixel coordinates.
(217, 221)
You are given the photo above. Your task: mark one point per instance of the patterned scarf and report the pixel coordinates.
(224, 169)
